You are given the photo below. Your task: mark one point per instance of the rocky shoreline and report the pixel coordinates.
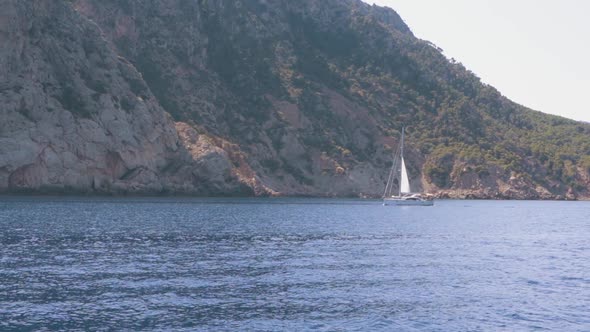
(462, 195)
(444, 195)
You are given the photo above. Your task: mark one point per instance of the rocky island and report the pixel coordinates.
(259, 98)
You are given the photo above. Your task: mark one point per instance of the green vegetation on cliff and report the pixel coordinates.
(352, 74)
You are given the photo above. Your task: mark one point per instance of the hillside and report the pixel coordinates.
(257, 97)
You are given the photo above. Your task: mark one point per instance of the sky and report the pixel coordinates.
(535, 52)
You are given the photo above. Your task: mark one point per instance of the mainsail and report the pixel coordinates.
(405, 182)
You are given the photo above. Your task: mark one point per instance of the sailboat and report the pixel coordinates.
(405, 195)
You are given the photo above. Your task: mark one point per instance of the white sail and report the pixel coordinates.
(405, 182)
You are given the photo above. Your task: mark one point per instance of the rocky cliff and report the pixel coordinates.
(256, 97)
(76, 117)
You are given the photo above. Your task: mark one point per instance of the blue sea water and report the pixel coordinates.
(292, 264)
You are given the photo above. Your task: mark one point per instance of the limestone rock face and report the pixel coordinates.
(76, 117)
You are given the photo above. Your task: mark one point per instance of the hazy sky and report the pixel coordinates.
(535, 52)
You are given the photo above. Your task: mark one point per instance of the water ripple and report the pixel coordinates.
(161, 264)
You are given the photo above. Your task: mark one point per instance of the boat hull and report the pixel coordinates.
(407, 202)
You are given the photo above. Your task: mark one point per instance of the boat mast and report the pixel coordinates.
(392, 172)
(401, 155)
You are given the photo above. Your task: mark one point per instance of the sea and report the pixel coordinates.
(185, 264)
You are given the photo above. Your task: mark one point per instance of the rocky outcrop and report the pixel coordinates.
(78, 118)
(70, 121)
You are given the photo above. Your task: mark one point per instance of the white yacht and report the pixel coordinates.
(404, 196)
